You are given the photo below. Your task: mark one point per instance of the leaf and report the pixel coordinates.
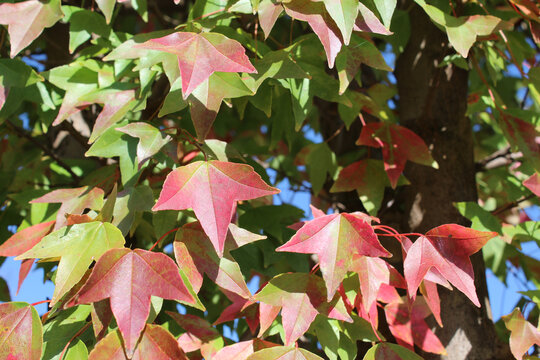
(200, 55)
(398, 144)
(344, 13)
(368, 22)
(156, 343)
(241, 308)
(268, 12)
(151, 140)
(78, 246)
(206, 99)
(212, 189)
(320, 21)
(533, 183)
(199, 335)
(446, 248)
(368, 178)
(349, 59)
(242, 350)
(522, 136)
(283, 353)
(20, 331)
(129, 278)
(523, 333)
(302, 297)
(386, 9)
(25, 239)
(74, 201)
(321, 162)
(27, 19)
(196, 256)
(336, 239)
(373, 272)
(388, 351)
(15, 73)
(406, 322)
(464, 30)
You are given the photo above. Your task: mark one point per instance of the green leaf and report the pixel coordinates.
(386, 10)
(383, 351)
(78, 246)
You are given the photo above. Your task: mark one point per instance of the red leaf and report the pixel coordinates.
(4, 91)
(27, 19)
(196, 256)
(533, 184)
(301, 297)
(398, 144)
(199, 335)
(268, 14)
(20, 332)
(409, 328)
(321, 22)
(212, 189)
(200, 55)
(242, 350)
(446, 248)
(25, 239)
(240, 308)
(74, 201)
(367, 21)
(373, 273)
(523, 333)
(156, 344)
(24, 270)
(336, 239)
(129, 278)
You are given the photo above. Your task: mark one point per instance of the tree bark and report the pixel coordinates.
(433, 102)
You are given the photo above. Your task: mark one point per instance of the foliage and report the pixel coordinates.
(143, 143)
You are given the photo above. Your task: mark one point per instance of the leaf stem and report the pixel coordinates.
(41, 302)
(162, 237)
(83, 329)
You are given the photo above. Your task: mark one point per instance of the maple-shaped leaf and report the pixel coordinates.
(373, 272)
(21, 334)
(196, 256)
(523, 334)
(368, 178)
(73, 201)
(336, 239)
(242, 350)
(200, 55)
(283, 353)
(115, 105)
(151, 140)
(22, 241)
(446, 248)
(212, 189)
(368, 22)
(206, 99)
(78, 246)
(129, 278)
(463, 31)
(156, 343)
(360, 51)
(321, 22)
(389, 351)
(301, 297)
(27, 19)
(407, 324)
(199, 335)
(398, 144)
(240, 308)
(533, 183)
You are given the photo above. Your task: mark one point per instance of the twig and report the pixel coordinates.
(162, 237)
(511, 204)
(29, 137)
(83, 329)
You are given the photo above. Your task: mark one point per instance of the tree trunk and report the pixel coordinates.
(432, 102)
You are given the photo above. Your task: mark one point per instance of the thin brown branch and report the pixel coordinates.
(511, 205)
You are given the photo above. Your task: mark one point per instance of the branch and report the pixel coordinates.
(59, 161)
(501, 157)
(511, 204)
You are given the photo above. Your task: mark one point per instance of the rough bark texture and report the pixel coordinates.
(432, 102)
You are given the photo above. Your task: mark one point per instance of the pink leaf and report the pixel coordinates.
(523, 333)
(212, 189)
